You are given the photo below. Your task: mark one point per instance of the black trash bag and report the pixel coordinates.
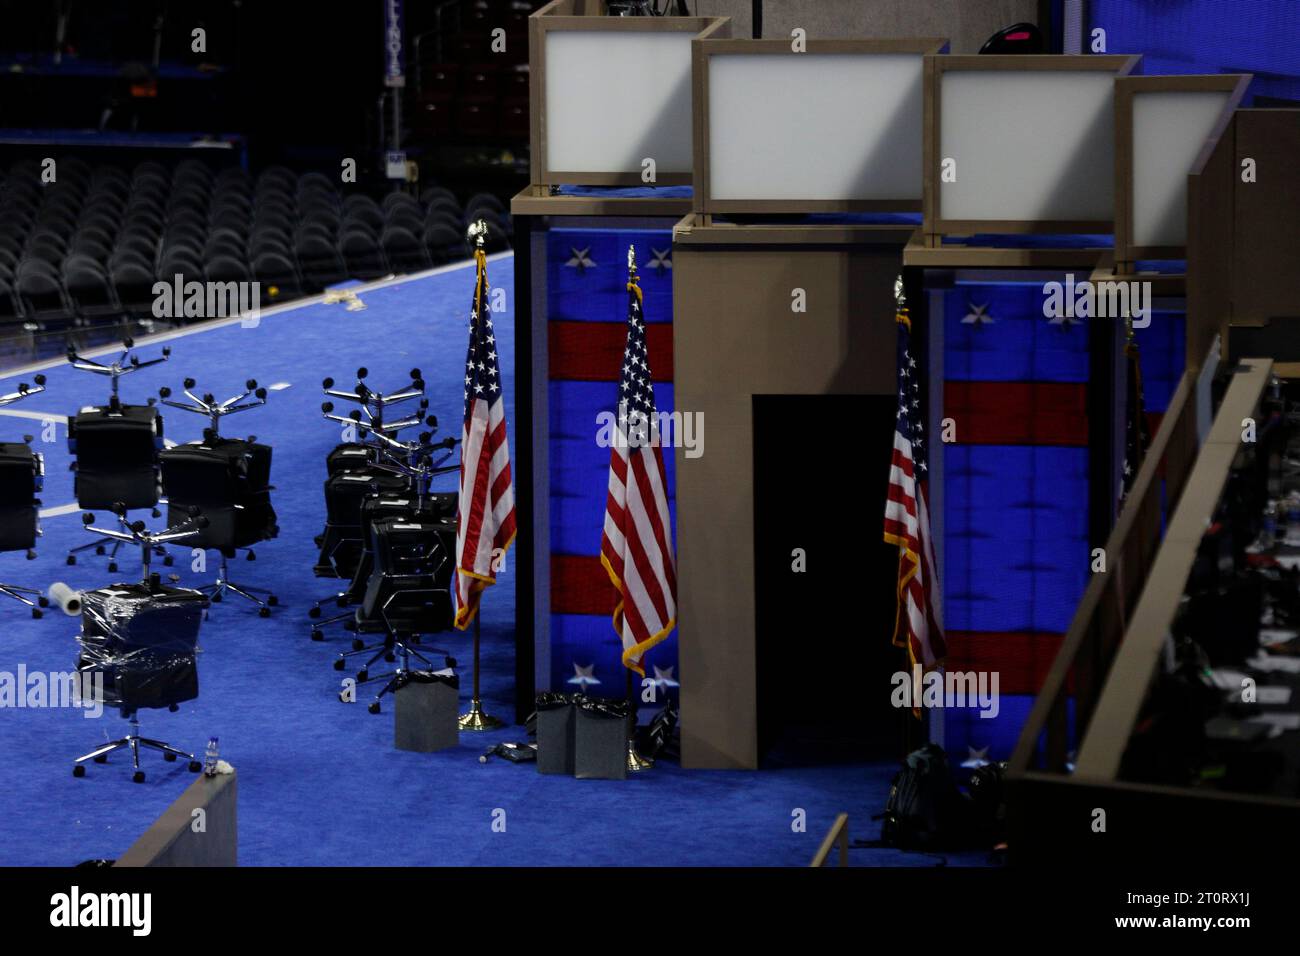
(550, 700)
(426, 677)
(615, 708)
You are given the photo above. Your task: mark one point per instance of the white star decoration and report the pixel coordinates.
(977, 315)
(584, 676)
(580, 260)
(661, 260)
(663, 678)
(976, 758)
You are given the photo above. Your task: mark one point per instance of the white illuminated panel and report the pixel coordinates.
(815, 126)
(1169, 129)
(615, 99)
(1029, 145)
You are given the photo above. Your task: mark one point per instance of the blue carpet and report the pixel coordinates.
(320, 782)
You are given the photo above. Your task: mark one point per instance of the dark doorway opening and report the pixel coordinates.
(823, 651)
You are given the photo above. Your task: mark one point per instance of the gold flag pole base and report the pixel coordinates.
(635, 762)
(476, 719)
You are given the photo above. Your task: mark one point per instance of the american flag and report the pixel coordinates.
(1136, 434)
(918, 624)
(485, 517)
(637, 545)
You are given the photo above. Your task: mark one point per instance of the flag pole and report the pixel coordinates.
(636, 763)
(475, 718)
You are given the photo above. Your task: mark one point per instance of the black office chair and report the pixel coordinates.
(22, 472)
(116, 448)
(408, 596)
(417, 463)
(355, 476)
(229, 481)
(139, 644)
(375, 507)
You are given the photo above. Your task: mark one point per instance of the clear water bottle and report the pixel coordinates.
(210, 758)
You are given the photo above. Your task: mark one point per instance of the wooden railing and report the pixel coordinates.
(1091, 816)
(1082, 663)
(837, 834)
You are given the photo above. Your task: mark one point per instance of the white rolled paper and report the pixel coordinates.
(66, 598)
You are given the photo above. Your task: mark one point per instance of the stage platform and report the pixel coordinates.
(320, 781)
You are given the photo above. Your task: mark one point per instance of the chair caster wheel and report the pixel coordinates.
(112, 567)
(390, 658)
(172, 708)
(358, 643)
(170, 758)
(363, 676)
(263, 612)
(339, 664)
(137, 777)
(72, 559)
(251, 557)
(317, 634)
(272, 600)
(102, 758)
(78, 771)
(374, 708)
(195, 766)
(169, 560)
(43, 601)
(99, 549)
(314, 613)
(37, 613)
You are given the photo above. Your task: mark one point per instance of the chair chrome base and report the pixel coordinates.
(217, 591)
(101, 548)
(397, 648)
(134, 742)
(17, 592)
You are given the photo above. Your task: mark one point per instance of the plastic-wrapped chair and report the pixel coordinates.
(138, 648)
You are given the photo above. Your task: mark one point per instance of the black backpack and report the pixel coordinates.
(925, 810)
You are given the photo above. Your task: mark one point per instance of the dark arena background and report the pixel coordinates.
(651, 433)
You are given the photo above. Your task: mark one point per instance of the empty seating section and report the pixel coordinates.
(88, 246)
(467, 88)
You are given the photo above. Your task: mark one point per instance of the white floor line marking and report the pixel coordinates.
(38, 416)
